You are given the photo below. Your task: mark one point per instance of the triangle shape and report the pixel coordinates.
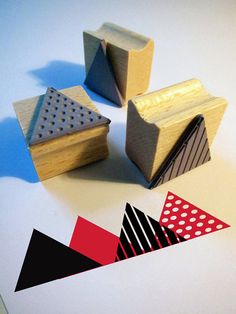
(47, 259)
(60, 115)
(187, 220)
(100, 77)
(141, 234)
(190, 151)
(93, 241)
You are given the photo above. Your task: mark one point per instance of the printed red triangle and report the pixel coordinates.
(100, 77)
(188, 220)
(94, 242)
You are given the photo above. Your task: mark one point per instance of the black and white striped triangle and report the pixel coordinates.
(141, 234)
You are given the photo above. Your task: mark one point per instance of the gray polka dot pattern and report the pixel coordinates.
(60, 115)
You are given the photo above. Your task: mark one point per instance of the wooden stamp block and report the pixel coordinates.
(157, 124)
(63, 130)
(129, 54)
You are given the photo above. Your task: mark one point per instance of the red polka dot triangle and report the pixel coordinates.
(188, 220)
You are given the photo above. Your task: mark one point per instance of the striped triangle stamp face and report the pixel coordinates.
(190, 151)
(60, 115)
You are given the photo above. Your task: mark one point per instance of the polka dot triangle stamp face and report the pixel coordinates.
(60, 115)
(188, 220)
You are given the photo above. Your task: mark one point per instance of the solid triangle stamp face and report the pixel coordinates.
(60, 115)
(190, 151)
(47, 259)
(101, 79)
(187, 220)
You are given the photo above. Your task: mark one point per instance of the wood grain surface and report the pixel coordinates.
(66, 152)
(130, 55)
(156, 121)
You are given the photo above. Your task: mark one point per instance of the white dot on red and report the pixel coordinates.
(211, 221)
(200, 224)
(197, 233)
(171, 226)
(165, 219)
(175, 209)
(194, 211)
(208, 229)
(184, 215)
(166, 212)
(178, 202)
(168, 204)
(173, 217)
(219, 226)
(188, 228)
(182, 222)
(185, 206)
(187, 236)
(179, 230)
(192, 219)
(170, 197)
(202, 216)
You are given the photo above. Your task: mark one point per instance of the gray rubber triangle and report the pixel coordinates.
(60, 115)
(100, 77)
(190, 151)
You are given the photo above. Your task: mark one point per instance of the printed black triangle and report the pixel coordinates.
(60, 115)
(139, 234)
(100, 77)
(190, 151)
(47, 259)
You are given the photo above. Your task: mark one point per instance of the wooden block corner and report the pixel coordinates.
(130, 55)
(156, 121)
(67, 152)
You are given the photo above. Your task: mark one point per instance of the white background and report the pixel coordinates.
(41, 45)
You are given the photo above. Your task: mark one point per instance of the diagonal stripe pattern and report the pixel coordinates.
(190, 151)
(141, 234)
